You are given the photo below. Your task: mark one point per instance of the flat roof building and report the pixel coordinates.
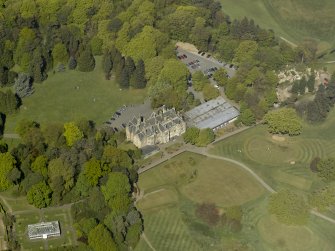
(213, 114)
(43, 230)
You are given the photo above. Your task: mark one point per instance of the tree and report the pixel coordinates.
(124, 79)
(85, 225)
(53, 134)
(138, 79)
(191, 135)
(116, 192)
(247, 117)
(86, 61)
(61, 176)
(3, 76)
(40, 165)
(39, 195)
(107, 64)
(23, 85)
(210, 92)
(129, 66)
(96, 46)
(133, 234)
(221, 76)
(205, 137)
(116, 157)
(289, 208)
(245, 52)
(284, 121)
(175, 73)
(8, 102)
(199, 81)
(322, 198)
(326, 169)
(311, 82)
(60, 54)
(208, 212)
(72, 133)
(146, 44)
(72, 64)
(100, 239)
(93, 171)
(314, 164)
(7, 163)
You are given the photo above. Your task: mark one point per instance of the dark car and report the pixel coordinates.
(118, 113)
(199, 52)
(185, 56)
(203, 53)
(231, 66)
(208, 55)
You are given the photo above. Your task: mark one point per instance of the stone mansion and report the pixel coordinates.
(161, 126)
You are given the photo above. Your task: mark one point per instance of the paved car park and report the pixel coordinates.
(124, 114)
(204, 62)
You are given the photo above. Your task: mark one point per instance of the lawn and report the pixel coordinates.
(71, 95)
(294, 20)
(67, 237)
(172, 191)
(282, 161)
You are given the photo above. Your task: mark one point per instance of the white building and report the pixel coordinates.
(43, 230)
(213, 114)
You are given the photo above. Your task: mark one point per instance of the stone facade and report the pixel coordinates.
(160, 127)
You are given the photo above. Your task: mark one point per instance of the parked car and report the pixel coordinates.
(199, 52)
(208, 55)
(203, 53)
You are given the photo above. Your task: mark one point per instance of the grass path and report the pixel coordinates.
(204, 151)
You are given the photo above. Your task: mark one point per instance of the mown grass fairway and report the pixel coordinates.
(201, 179)
(171, 191)
(58, 99)
(294, 20)
(282, 161)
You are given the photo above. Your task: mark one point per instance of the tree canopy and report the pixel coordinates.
(284, 121)
(289, 208)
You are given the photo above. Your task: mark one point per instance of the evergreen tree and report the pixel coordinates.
(302, 85)
(311, 81)
(130, 65)
(138, 79)
(86, 61)
(37, 67)
(3, 76)
(124, 79)
(72, 63)
(119, 66)
(107, 64)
